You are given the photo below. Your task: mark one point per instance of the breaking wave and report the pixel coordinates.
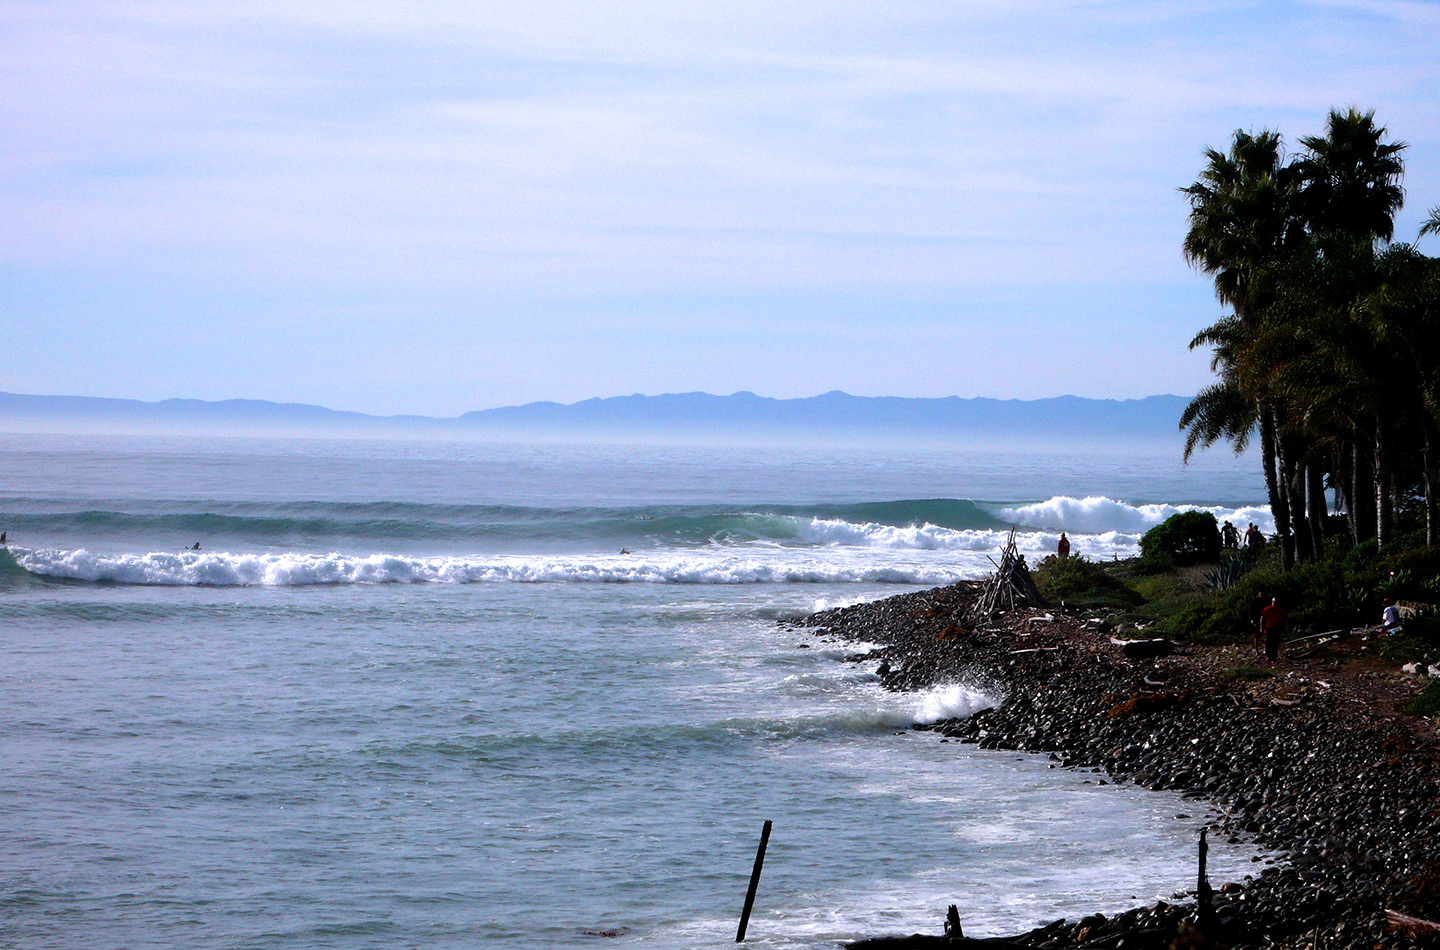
(923, 537)
(1098, 515)
(221, 569)
(955, 701)
(957, 525)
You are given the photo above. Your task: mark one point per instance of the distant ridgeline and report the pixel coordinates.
(832, 417)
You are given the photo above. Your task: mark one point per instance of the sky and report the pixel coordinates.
(433, 208)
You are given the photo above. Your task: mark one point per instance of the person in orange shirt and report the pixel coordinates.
(1272, 626)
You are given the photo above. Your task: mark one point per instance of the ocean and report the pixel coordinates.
(446, 694)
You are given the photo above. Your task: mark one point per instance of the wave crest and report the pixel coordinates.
(922, 537)
(1096, 514)
(220, 569)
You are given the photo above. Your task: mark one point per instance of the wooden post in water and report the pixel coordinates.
(754, 882)
(1204, 901)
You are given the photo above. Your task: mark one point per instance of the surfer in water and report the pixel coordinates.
(195, 548)
(2, 537)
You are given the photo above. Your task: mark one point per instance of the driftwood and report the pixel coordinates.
(1413, 926)
(1318, 636)
(1144, 649)
(1011, 585)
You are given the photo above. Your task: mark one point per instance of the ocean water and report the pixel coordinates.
(457, 695)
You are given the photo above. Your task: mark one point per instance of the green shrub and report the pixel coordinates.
(1316, 595)
(1189, 537)
(1081, 582)
(1427, 703)
(1405, 647)
(1337, 531)
(1185, 621)
(1363, 557)
(1396, 584)
(1247, 673)
(1421, 560)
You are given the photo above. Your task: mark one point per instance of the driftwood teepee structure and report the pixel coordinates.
(1009, 587)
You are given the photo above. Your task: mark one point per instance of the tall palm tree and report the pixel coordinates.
(1242, 218)
(1316, 356)
(1350, 179)
(1403, 316)
(1349, 192)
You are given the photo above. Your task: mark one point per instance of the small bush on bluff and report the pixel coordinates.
(1186, 622)
(1078, 581)
(1187, 538)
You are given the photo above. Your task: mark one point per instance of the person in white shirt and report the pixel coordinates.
(1390, 619)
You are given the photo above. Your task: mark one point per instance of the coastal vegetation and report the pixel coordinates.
(1189, 537)
(1329, 350)
(1169, 591)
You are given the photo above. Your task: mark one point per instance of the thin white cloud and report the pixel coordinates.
(546, 153)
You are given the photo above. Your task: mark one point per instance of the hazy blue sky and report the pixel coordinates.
(435, 207)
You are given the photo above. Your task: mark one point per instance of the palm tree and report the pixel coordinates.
(1349, 192)
(1403, 316)
(1350, 180)
(1431, 224)
(1316, 356)
(1220, 410)
(1242, 218)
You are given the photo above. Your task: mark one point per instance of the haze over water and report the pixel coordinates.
(415, 694)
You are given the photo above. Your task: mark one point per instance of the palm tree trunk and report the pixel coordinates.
(1292, 489)
(1315, 499)
(1363, 495)
(1272, 485)
(1384, 513)
(1430, 479)
(1345, 490)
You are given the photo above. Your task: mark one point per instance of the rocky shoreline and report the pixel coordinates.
(1289, 756)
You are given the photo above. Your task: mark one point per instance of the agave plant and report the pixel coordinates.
(1228, 572)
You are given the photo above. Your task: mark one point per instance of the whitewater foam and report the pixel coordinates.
(223, 569)
(961, 541)
(954, 701)
(1098, 515)
(923, 537)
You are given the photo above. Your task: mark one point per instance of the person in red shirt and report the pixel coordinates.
(1272, 625)
(1063, 548)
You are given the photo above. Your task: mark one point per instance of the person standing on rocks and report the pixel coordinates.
(1063, 548)
(1272, 626)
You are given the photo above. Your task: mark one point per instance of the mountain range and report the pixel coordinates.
(743, 416)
